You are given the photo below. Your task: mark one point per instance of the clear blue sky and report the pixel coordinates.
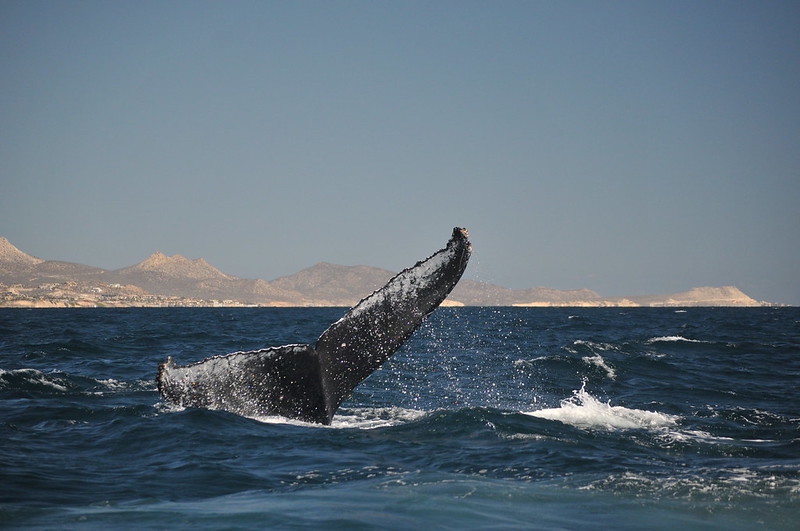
(626, 147)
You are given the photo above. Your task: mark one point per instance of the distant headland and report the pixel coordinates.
(164, 281)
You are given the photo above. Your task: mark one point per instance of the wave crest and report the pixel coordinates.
(671, 339)
(359, 418)
(31, 380)
(585, 411)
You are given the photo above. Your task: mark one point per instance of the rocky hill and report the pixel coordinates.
(159, 265)
(177, 276)
(472, 293)
(334, 285)
(161, 280)
(11, 257)
(17, 267)
(705, 296)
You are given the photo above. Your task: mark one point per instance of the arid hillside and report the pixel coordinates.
(162, 280)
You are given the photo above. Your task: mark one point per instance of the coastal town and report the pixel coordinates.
(73, 294)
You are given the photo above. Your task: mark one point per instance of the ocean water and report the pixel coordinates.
(487, 418)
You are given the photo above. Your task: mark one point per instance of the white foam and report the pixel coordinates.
(585, 411)
(722, 484)
(357, 418)
(594, 346)
(114, 384)
(370, 418)
(34, 376)
(672, 339)
(600, 362)
(530, 362)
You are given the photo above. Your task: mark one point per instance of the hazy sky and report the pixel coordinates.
(627, 147)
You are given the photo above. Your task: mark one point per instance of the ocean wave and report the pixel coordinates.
(35, 381)
(592, 346)
(582, 410)
(598, 361)
(672, 339)
(357, 418)
(520, 364)
(32, 380)
(441, 422)
(598, 345)
(727, 485)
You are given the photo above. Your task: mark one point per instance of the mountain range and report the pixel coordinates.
(26, 280)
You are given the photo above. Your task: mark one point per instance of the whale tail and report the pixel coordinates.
(309, 383)
(355, 346)
(282, 381)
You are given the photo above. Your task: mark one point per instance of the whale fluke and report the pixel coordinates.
(309, 383)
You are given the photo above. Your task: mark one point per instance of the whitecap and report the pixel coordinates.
(671, 339)
(594, 346)
(370, 418)
(529, 363)
(600, 362)
(585, 411)
(358, 418)
(168, 407)
(32, 377)
(113, 384)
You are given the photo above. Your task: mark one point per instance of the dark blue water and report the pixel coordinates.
(488, 417)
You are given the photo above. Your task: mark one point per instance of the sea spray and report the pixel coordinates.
(585, 411)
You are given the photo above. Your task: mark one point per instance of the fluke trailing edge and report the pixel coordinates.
(310, 382)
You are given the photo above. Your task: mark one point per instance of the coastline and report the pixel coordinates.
(74, 295)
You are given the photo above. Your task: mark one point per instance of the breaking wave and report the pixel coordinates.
(672, 339)
(358, 418)
(585, 411)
